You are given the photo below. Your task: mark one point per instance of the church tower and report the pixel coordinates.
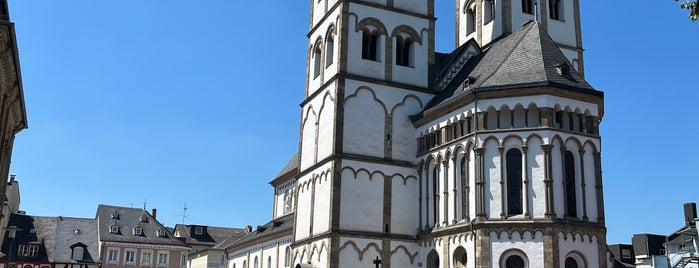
(487, 20)
(368, 71)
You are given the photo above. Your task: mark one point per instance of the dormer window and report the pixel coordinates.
(115, 215)
(78, 251)
(143, 218)
(137, 231)
(198, 230)
(114, 229)
(161, 233)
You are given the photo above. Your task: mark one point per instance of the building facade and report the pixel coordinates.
(487, 156)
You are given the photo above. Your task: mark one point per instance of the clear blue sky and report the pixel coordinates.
(197, 102)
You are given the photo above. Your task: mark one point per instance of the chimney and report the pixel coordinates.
(154, 213)
(690, 213)
(12, 178)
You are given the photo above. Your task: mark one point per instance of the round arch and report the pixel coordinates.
(433, 259)
(460, 258)
(514, 258)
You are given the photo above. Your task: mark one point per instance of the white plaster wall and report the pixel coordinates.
(319, 253)
(404, 142)
(419, 7)
(308, 137)
(390, 20)
(404, 205)
(361, 206)
(357, 252)
(416, 75)
(380, 2)
(320, 33)
(326, 127)
(404, 254)
(318, 10)
(364, 124)
(590, 184)
(492, 29)
(531, 244)
(537, 173)
(582, 244)
(570, 55)
(492, 180)
(563, 31)
(303, 211)
(467, 243)
(519, 18)
(322, 202)
(557, 173)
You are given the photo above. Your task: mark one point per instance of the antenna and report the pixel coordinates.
(144, 204)
(184, 212)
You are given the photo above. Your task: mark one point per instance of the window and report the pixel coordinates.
(288, 200)
(143, 218)
(514, 261)
(404, 47)
(626, 253)
(329, 50)
(488, 10)
(269, 262)
(113, 255)
(22, 250)
(245, 264)
(316, 63)
(199, 230)
(163, 258)
(33, 251)
(146, 258)
(514, 182)
(222, 261)
(471, 19)
(137, 231)
(183, 260)
(256, 263)
(556, 9)
(370, 45)
(114, 229)
(78, 253)
(129, 256)
(161, 233)
(571, 263)
(433, 260)
(115, 215)
(569, 180)
(527, 7)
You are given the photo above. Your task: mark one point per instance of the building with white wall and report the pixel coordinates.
(487, 156)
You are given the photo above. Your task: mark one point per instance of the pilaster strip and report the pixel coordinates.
(548, 181)
(503, 191)
(525, 164)
(455, 181)
(445, 191)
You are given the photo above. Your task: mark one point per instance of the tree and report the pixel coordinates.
(693, 8)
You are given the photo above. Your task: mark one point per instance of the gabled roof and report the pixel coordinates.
(525, 59)
(57, 236)
(129, 218)
(210, 235)
(278, 226)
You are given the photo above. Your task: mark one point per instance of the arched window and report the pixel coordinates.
(514, 182)
(556, 9)
(569, 180)
(404, 51)
(245, 264)
(329, 50)
(471, 18)
(571, 263)
(460, 258)
(316, 63)
(464, 188)
(234, 265)
(488, 11)
(433, 260)
(435, 193)
(269, 262)
(514, 261)
(256, 263)
(370, 45)
(527, 7)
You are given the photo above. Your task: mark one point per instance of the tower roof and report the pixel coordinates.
(525, 59)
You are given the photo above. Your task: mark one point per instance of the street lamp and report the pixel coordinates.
(11, 234)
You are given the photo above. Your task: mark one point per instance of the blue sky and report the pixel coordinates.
(174, 102)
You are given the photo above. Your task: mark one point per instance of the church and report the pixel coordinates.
(487, 156)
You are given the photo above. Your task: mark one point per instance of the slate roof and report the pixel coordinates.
(210, 237)
(56, 235)
(127, 220)
(524, 59)
(276, 226)
(292, 165)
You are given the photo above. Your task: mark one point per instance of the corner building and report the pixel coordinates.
(488, 156)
